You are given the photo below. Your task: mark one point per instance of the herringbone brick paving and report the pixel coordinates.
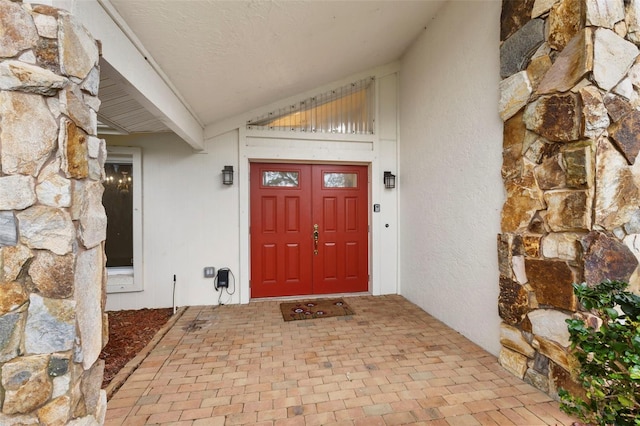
(389, 364)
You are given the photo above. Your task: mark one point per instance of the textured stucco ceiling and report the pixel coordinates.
(229, 57)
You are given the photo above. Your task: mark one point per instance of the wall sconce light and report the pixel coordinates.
(227, 175)
(389, 180)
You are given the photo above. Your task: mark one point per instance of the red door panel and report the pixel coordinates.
(292, 263)
(340, 210)
(280, 230)
(269, 256)
(351, 260)
(287, 200)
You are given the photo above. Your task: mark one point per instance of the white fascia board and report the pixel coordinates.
(144, 83)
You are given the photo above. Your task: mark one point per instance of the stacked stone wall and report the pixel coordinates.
(52, 223)
(570, 103)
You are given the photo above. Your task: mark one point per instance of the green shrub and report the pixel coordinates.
(608, 357)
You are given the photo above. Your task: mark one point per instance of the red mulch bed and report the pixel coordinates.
(129, 333)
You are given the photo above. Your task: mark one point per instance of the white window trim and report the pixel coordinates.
(129, 279)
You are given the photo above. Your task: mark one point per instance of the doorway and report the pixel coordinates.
(309, 229)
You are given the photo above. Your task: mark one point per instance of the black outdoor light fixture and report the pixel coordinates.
(227, 175)
(389, 180)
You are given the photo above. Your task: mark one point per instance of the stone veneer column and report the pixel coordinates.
(52, 223)
(569, 100)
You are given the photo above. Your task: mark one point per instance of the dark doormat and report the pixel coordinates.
(320, 308)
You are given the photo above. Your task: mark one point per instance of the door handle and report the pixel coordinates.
(316, 236)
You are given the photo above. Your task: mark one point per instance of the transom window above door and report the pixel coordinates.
(349, 109)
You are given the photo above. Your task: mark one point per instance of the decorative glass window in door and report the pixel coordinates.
(346, 110)
(339, 180)
(280, 178)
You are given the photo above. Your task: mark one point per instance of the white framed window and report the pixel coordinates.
(122, 201)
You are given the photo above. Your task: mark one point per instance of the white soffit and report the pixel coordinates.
(230, 57)
(137, 75)
(119, 110)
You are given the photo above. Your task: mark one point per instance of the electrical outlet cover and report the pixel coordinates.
(209, 272)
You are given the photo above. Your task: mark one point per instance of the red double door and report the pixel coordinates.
(309, 229)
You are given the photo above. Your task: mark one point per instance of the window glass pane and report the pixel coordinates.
(118, 204)
(340, 180)
(279, 178)
(344, 110)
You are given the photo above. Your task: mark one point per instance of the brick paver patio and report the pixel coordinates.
(389, 364)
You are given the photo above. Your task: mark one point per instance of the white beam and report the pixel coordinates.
(145, 81)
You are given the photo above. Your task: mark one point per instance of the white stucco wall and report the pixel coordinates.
(450, 159)
(190, 220)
